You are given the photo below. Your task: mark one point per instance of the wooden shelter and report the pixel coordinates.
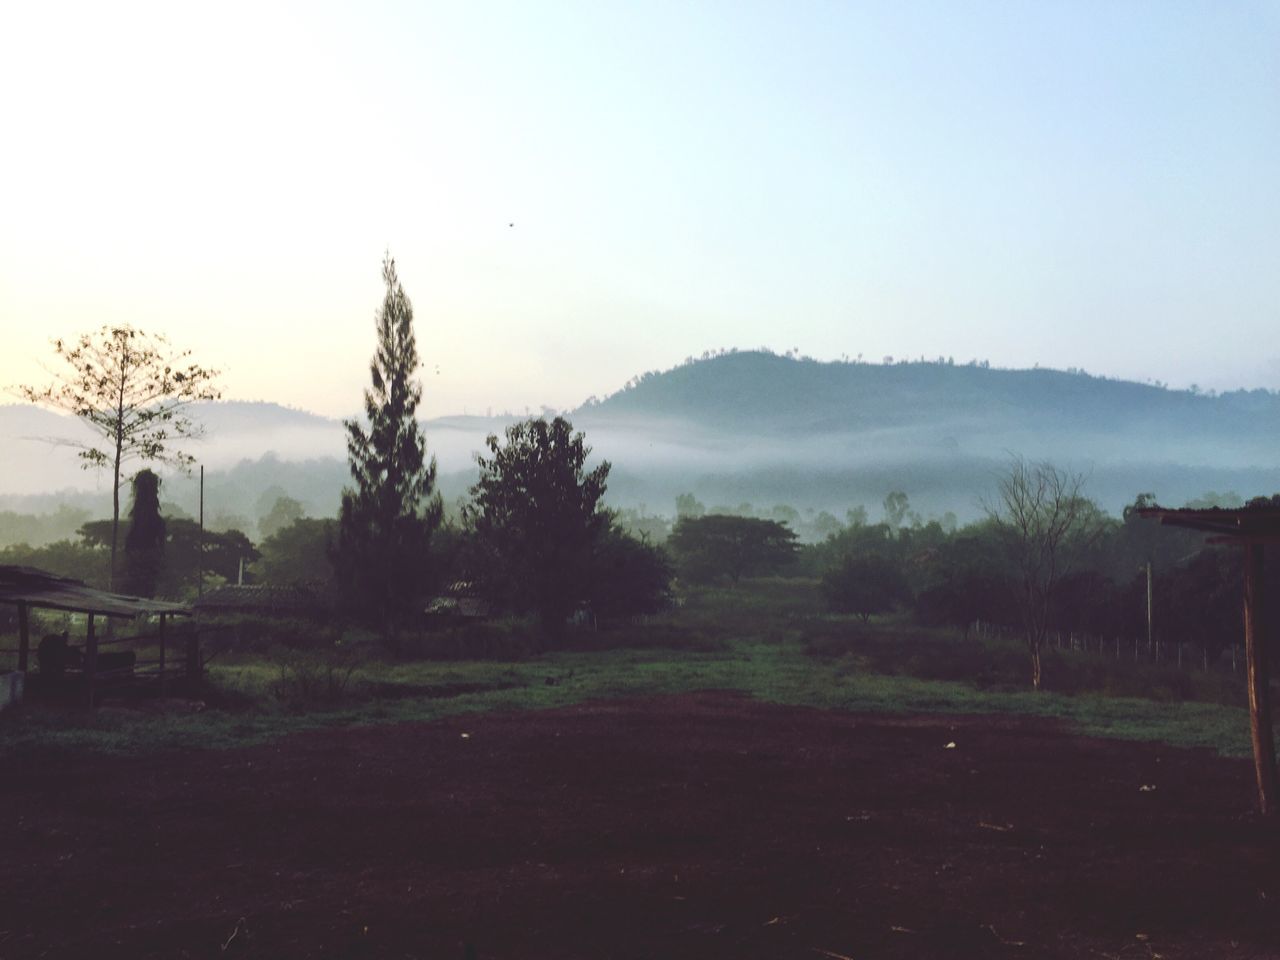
(28, 589)
(1252, 527)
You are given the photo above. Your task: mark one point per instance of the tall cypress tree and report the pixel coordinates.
(391, 512)
(144, 543)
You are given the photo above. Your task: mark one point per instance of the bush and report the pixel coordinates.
(310, 678)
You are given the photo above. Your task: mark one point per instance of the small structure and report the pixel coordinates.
(29, 589)
(300, 600)
(460, 603)
(1252, 527)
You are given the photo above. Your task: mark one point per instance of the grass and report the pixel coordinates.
(761, 639)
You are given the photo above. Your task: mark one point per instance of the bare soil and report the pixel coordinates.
(707, 825)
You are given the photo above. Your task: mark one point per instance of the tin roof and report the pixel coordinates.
(300, 599)
(37, 588)
(1259, 520)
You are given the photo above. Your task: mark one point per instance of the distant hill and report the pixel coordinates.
(768, 429)
(765, 394)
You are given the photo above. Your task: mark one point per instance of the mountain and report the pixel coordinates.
(768, 395)
(763, 428)
(770, 428)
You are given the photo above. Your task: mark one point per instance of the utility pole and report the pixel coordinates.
(200, 543)
(1150, 611)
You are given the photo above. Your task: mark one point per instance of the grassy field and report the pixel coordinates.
(766, 639)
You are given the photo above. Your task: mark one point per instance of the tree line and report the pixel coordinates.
(535, 539)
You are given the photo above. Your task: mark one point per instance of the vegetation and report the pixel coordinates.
(716, 545)
(131, 389)
(536, 515)
(771, 641)
(1047, 524)
(145, 541)
(299, 553)
(864, 586)
(388, 517)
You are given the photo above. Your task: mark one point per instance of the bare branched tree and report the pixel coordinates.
(131, 389)
(1048, 524)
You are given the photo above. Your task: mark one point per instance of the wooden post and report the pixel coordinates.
(1151, 629)
(24, 636)
(193, 655)
(164, 680)
(1264, 749)
(91, 660)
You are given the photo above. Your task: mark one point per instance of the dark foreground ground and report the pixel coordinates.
(695, 826)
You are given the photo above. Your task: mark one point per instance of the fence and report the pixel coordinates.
(1185, 656)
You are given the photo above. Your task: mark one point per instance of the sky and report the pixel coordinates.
(579, 192)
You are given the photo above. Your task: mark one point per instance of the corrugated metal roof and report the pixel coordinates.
(272, 599)
(40, 589)
(1258, 520)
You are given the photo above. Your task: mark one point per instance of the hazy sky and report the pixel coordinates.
(1074, 184)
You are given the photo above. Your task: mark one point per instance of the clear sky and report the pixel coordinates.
(1068, 183)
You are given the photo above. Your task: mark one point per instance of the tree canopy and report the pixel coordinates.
(390, 513)
(864, 585)
(131, 388)
(144, 543)
(536, 514)
(1047, 524)
(717, 545)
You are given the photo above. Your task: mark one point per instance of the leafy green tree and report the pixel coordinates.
(39, 529)
(66, 558)
(222, 554)
(964, 579)
(864, 585)
(389, 515)
(856, 516)
(687, 505)
(642, 525)
(536, 515)
(299, 552)
(144, 543)
(717, 545)
(132, 389)
(284, 511)
(896, 507)
(628, 577)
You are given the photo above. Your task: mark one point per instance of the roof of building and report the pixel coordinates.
(281, 600)
(36, 588)
(1257, 520)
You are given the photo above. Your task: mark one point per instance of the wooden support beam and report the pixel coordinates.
(164, 679)
(193, 655)
(1259, 681)
(91, 660)
(24, 636)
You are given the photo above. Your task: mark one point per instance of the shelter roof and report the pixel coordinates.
(37, 588)
(299, 599)
(1258, 520)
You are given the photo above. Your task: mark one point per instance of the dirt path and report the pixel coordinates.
(695, 826)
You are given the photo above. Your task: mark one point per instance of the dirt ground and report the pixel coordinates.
(696, 826)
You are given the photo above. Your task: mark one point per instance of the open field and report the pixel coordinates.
(697, 825)
(764, 639)
(743, 777)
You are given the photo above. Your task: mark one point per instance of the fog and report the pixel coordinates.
(751, 428)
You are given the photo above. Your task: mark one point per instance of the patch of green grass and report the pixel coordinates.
(762, 639)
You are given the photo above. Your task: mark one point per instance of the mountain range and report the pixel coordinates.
(759, 427)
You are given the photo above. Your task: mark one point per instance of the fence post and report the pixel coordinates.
(193, 655)
(164, 679)
(91, 659)
(24, 636)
